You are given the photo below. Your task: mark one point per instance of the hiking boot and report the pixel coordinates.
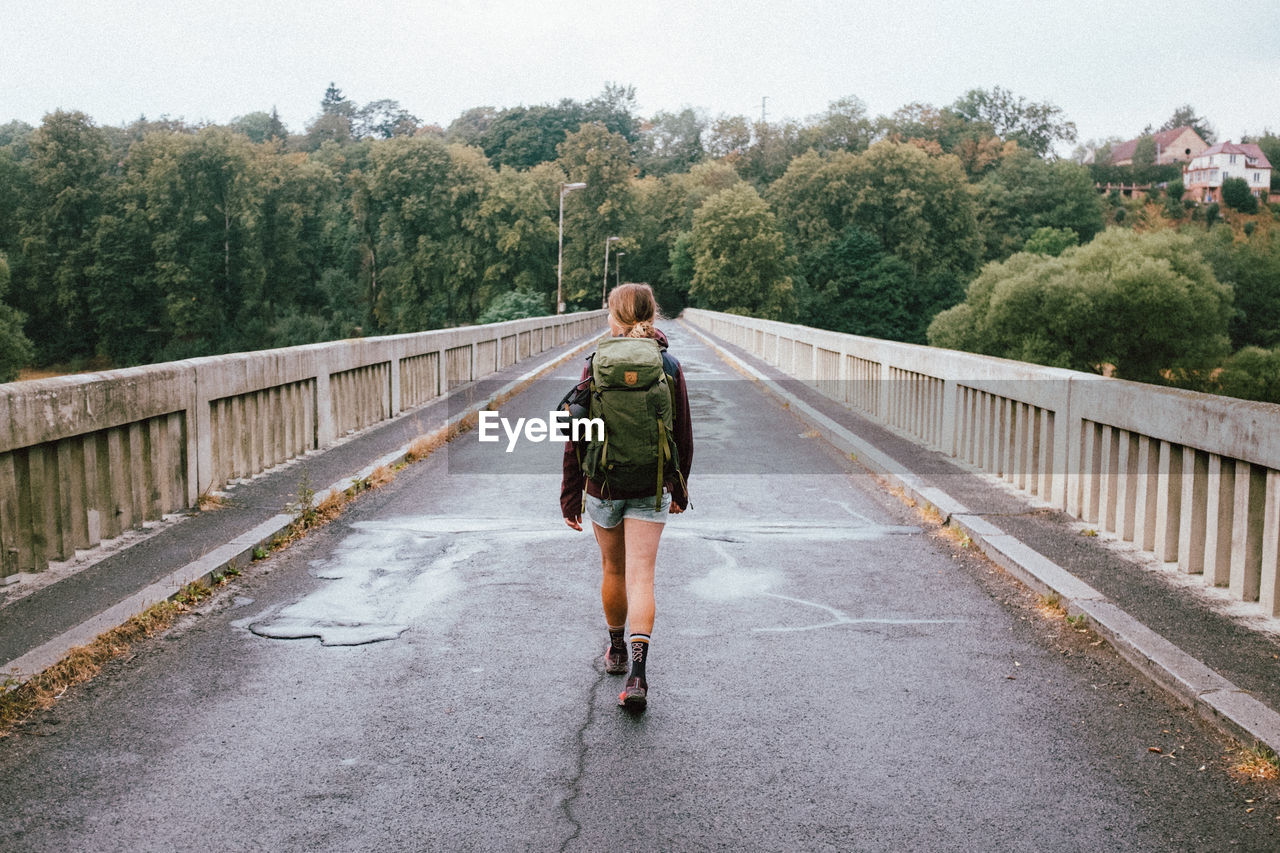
(635, 695)
(615, 660)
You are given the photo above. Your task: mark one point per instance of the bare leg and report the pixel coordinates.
(641, 544)
(613, 585)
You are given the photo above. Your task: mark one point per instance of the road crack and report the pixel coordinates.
(575, 781)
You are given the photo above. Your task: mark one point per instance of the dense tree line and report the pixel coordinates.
(158, 240)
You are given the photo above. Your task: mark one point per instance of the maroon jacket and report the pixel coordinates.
(573, 480)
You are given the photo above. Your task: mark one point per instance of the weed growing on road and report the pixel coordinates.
(1050, 606)
(1258, 764)
(209, 501)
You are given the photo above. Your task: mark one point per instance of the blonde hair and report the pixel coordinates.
(634, 308)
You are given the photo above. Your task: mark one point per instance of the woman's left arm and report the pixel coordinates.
(683, 427)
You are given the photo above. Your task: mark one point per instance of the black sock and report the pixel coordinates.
(616, 636)
(639, 652)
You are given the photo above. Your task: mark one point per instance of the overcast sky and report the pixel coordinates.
(1112, 66)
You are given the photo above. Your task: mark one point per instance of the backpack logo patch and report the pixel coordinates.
(630, 377)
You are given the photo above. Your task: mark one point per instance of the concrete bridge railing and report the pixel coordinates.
(85, 457)
(1192, 478)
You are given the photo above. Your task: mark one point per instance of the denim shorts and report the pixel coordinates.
(609, 512)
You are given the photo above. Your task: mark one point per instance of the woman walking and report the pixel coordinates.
(628, 519)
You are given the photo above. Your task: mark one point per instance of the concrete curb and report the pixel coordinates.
(239, 551)
(1218, 700)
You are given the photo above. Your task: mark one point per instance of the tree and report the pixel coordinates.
(336, 119)
(671, 142)
(469, 127)
(843, 127)
(943, 130)
(728, 137)
(1185, 116)
(855, 286)
(1270, 145)
(200, 199)
(426, 199)
(601, 159)
(1237, 195)
(1252, 268)
(523, 137)
(1024, 193)
(257, 126)
(514, 305)
(739, 255)
(1034, 126)
(382, 120)
(919, 207)
(16, 351)
(1146, 305)
(15, 135)
(772, 147)
(663, 210)
(68, 176)
(1252, 373)
(1051, 241)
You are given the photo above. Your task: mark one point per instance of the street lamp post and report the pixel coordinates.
(565, 189)
(604, 287)
(617, 268)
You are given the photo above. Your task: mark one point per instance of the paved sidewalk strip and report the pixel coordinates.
(1236, 711)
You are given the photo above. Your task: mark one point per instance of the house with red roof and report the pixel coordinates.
(1203, 176)
(1172, 146)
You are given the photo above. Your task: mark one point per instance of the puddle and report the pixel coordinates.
(380, 581)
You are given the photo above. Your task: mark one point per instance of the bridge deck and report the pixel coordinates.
(829, 671)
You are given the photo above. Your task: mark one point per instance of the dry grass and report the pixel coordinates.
(1258, 764)
(84, 662)
(1050, 606)
(381, 476)
(956, 535)
(209, 501)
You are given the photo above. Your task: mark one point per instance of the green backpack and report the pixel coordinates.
(631, 393)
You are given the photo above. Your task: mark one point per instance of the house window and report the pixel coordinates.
(1233, 159)
(1257, 177)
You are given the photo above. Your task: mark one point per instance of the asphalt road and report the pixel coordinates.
(828, 672)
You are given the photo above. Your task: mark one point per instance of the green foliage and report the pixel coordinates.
(1252, 373)
(65, 194)
(919, 207)
(1252, 268)
(15, 350)
(1176, 189)
(600, 158)
(1212, 214)
(1024, 194)
(1236, 195)
(844, 126)
(1144, 153)
(1034, 126)
(740, 257)
(855, 286)
(1050, 241)
(514, 305)
(672, 142)
(1185, 116)
(523, 137)
(1146, 304)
